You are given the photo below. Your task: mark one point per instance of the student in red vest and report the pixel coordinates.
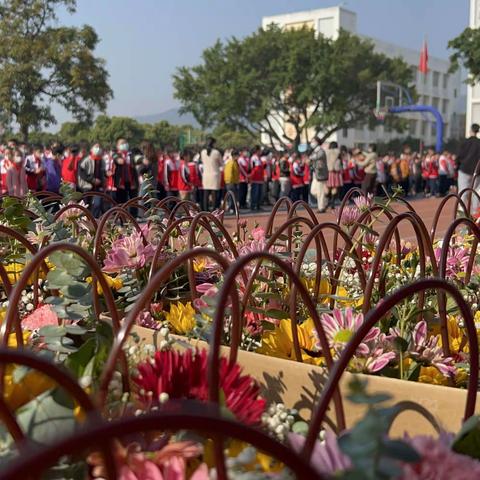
(245, 170)
(16, 176)
(35, 170)
(171, 173)
(160, 175)
(256, 179)
(185, 184)
(5, 164)
(431, 168)
(297, 172)
(275, 177)
(70, 165)
(125, 175)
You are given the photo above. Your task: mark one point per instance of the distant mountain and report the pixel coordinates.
(171, 116)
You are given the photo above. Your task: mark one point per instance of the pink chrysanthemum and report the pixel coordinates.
(370, 355)
(184, 375)
(439, 462)
(128, 252)
(40, 317)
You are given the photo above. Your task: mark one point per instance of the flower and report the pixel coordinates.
(327, 457)
(42, 316)
(350, 216)
(428, 350)
(146, 320)
(258, 234)
(113, 282)
(439, 462)
(184, 375)
(128, 252)
(363, 203)
(279, 341)
(370, 355)
(39, 235)
(457, 260)
(169, 463)
(181, 318)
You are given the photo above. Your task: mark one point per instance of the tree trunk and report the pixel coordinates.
(24, 128)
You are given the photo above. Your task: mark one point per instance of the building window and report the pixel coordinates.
(444, 106)
(434, 129)
(426, 100)
(435, 102)
(425, 78)
(445, 80)
(436, 79)
(424, 128)
(413, 127)
(345, 133)
(455, 93)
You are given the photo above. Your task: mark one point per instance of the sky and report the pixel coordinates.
(144, 41)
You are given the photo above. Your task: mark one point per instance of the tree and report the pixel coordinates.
(106, 130)
(42, 63)
(162, 133)
(227, 138)
(316, 84)
(466, 49)
(73, 132)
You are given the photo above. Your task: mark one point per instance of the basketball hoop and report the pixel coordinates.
(380, 113)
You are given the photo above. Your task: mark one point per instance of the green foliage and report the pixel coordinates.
(44, 63)
(319, 85)
(75, 301)
(467, 441)
(466, 53)
(227, 138)
(374, 456)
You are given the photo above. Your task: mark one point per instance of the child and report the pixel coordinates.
(16, 176)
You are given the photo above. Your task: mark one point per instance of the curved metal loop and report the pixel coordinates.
(282, 200)
(187, 415)
(103, 195)
(30, 269)
(307, 207)
(146, 297)
(183, 204)
(424, 245)
(118, 211)
(370, 320)
(440, 208)
(229, 288)
(470, 191)
(75, 206)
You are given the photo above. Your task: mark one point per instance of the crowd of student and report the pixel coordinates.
(322, 174)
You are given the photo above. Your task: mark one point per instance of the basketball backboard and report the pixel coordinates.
(390, 95)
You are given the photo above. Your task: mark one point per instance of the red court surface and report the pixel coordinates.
(425, 208)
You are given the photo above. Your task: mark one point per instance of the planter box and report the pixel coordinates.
(298, 385)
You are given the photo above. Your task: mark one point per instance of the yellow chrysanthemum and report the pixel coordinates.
(181, 318)
(279, 342)
(113, 282)
(267, 463)
(432, 375)
(199, 264)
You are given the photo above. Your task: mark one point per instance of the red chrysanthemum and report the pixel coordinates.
(184, 375)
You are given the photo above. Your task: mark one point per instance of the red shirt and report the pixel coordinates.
(257, 170)
(69, 169)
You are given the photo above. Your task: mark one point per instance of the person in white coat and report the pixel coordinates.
(212, 163)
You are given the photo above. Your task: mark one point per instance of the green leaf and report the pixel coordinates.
(52, 331)
(78, 361)
(277, 314)
(467, 442)
(47, 417)
(399, 450)
(75, 330)
(58, 279)
(76, 289)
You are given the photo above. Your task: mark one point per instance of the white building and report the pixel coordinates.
(473, 92)
(438, 88)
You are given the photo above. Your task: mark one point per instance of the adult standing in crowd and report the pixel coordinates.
(467, 161)
(245, 169)
(211, 160)
(256, 179)
(91, 177)
(318, 164)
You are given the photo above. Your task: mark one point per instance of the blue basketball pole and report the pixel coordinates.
(425, 108)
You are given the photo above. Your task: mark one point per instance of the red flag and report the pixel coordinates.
(423, 63)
